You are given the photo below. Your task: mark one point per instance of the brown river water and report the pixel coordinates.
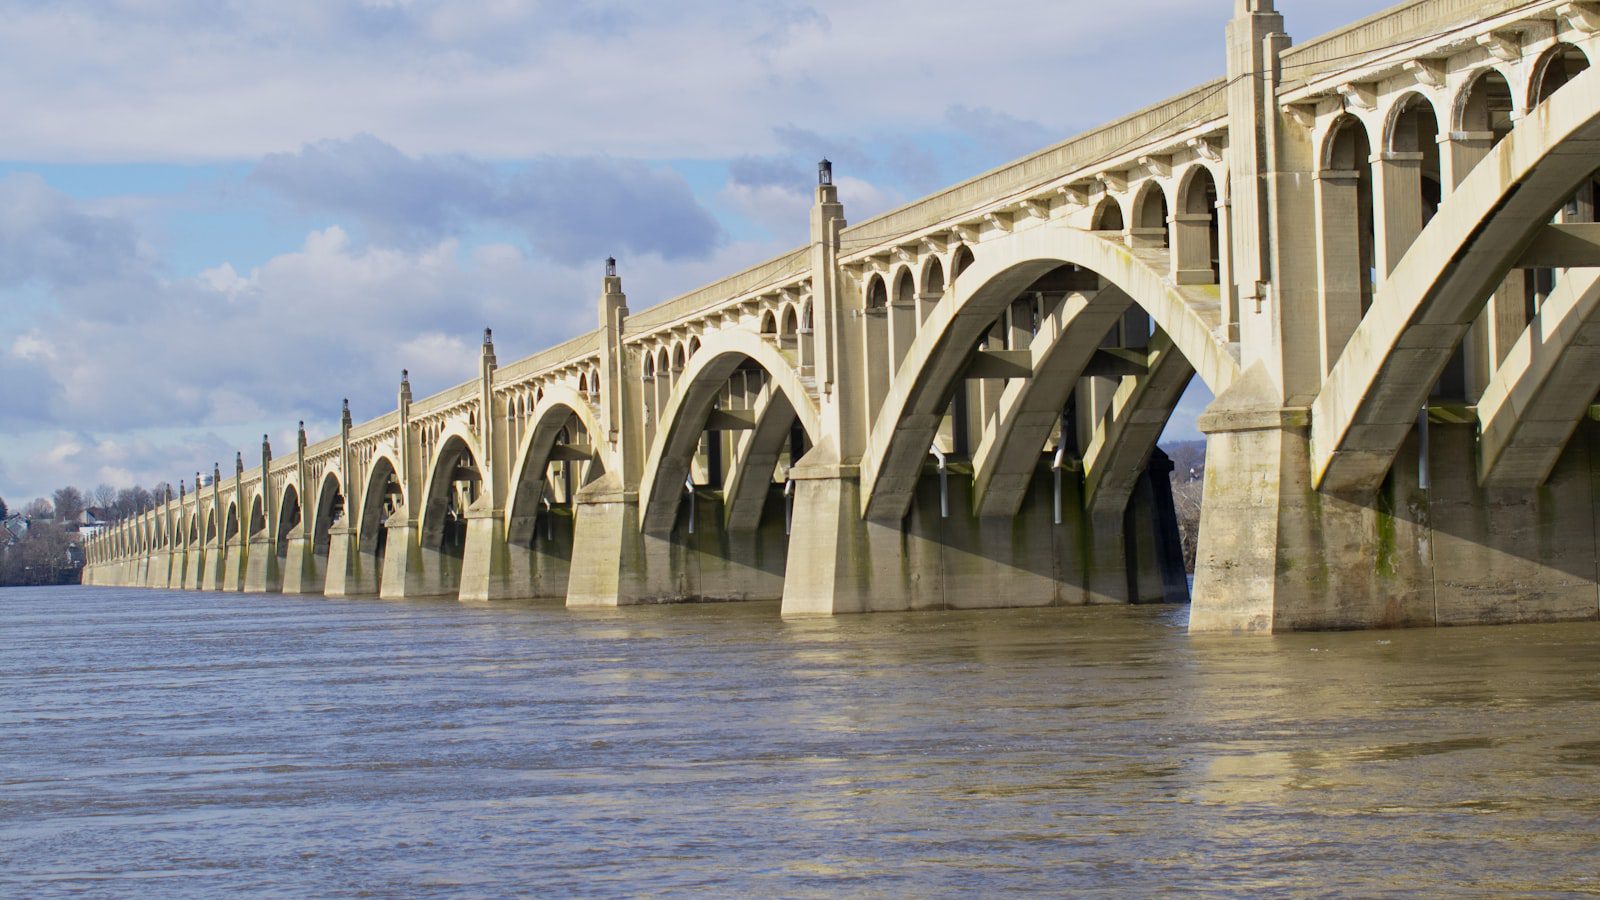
(192, 744)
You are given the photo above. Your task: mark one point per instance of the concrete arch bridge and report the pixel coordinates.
(1377, 249)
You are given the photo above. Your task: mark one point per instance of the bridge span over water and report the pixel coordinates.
(1376, 249)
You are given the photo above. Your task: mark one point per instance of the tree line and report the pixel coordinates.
(42, 542)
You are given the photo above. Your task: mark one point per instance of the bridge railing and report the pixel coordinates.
(1383, 32)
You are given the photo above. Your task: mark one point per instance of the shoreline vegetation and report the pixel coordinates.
(41, 542)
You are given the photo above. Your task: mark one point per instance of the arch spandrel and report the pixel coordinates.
(903, 428)
(683, 419)
(1422, 309)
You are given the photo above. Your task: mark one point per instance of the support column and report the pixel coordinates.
(608, 566)
(350, 573)
(301, 571)
(1276, 555)
(402, 559)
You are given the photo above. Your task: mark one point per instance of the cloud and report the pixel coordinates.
(212, 359)
(999, 136)
(570, 209)
(187, 79)
(47, 238)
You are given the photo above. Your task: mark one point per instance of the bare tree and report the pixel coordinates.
(105, 496)
(69, 503)
(39, 508)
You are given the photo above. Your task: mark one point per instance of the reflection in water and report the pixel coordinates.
(194, 743)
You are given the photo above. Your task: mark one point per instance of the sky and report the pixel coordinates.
(218, 217)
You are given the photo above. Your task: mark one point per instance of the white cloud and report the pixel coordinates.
(696, 78)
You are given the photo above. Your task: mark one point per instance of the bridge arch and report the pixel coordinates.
(684, 419)
(1372, 396)
(330, 508)
(905, 424)
(289, 516)
(560, 409)
(452, 488)
(258, 513)
(382, 494)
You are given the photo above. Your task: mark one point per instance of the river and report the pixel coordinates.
(189, 744)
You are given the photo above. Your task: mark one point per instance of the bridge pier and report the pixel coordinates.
(350, 573)
(195, 570)
(486, 572)
(302, 572)
(211, 579)
(1431, 547)
(234, 563)
(261, 575)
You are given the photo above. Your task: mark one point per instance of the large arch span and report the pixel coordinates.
(1003, 267)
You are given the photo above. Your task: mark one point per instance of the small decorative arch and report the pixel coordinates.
(960, 260)
(905, 285)
(1108, 216)
(877, 295)
(1485, 105)
(1150, 216)
(1557, 66)
(1197, 229)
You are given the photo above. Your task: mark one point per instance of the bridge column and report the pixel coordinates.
(234, 563)
(411, 570)
(301, 572)
(350, 572)
(215, 569)
(486, 572)
(1276, 555)
(156, 573)
(261, 574)
(608, 560)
